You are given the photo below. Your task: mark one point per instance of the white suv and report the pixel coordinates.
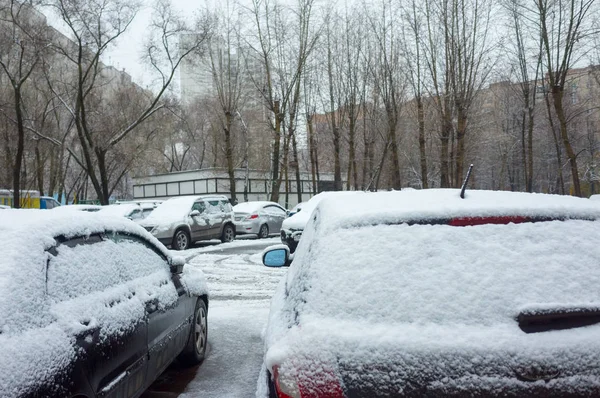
(181, 221)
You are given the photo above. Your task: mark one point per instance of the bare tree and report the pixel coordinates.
(564, 29)
(23, 43)
(94, 26)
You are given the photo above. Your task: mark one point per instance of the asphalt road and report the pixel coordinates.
(240, 291)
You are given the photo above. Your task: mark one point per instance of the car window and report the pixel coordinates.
(136, 214)
(214, 206)
(82, 266)
(226, 206)
(275, 210)
(146, 212)
(200, 206)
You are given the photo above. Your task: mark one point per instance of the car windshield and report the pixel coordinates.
(483, 274)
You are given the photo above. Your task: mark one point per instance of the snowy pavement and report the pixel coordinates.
(240, 291)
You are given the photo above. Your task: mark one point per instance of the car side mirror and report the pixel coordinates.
(276, 256)
(194, 213)
(176, 264)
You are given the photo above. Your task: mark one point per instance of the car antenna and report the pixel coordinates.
(464, 185)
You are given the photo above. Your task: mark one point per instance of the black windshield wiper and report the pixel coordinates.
(536, 321)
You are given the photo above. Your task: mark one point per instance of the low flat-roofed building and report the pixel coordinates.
(216, 181)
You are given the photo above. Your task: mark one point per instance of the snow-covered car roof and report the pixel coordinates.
(87, 208)
(171, 210)
(378, 278)
(120, 210)
(299, 220)
(418, 205)
(249, 207)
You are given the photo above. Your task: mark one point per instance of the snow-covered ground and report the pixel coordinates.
(240, 291)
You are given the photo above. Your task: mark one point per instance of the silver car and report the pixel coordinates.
(181, 221)
(261, 218)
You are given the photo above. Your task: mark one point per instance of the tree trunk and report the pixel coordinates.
(20, 149)
(396, 178)
(557, 96)
(297, 168)
(312, 152)
(556, 146)
(229, 156)
(530, 151)
(39, 170)
(275, 180)
(461, 132)
(352, 178)
(422, 148)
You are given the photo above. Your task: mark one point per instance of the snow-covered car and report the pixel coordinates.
(147, 205)
(261, 218)
(183, 220)
(92, 306)
(292, 227)
(296, 209)
(76, 208)
(128, 210)
(425, 294)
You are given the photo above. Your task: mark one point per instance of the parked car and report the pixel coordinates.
(292, 227)
(92, 306)
(425, 294)
(261, 218)
(71, 208)
(183, 220)
(147, 205)
(129, 210)
(296, 209)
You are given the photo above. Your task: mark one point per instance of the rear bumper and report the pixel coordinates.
(483, 387)
(246, 228)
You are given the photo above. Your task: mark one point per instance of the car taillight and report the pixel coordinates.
(324, 385)
(252, 217)
(471, 221)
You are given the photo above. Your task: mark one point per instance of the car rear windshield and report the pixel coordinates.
(480, 274)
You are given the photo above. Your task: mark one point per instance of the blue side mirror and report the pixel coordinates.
(275, 258)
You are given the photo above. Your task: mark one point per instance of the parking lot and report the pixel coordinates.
(240, 291)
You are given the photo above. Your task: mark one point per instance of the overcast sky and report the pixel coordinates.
(126, 54)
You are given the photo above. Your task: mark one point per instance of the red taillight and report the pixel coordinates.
(326, 385)
(469, 221)
(252, 217)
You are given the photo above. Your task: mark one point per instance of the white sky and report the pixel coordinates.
(126, 53)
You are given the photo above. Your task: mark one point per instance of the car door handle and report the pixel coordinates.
(152, 306)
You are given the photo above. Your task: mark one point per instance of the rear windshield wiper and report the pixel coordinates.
(536, 321)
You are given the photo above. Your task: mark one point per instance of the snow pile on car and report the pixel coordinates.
(373, 292)
(50, 293)
(120, 210)
(249, 207)
(170, 211)
(298, 220)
